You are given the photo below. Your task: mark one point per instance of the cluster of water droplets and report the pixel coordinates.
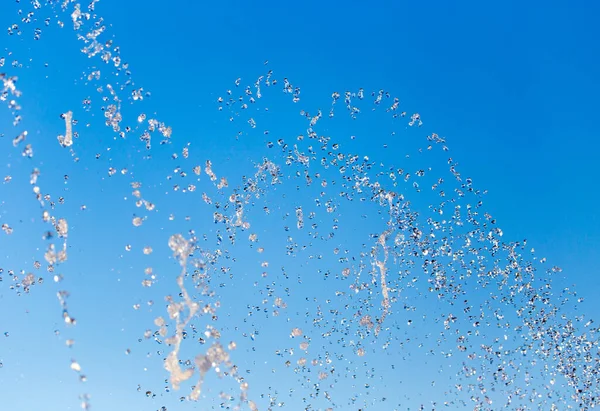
(408, 273)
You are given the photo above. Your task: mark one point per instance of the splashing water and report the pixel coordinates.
(307, 275)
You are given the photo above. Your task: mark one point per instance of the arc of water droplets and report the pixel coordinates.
(531, 320)
(492, 236)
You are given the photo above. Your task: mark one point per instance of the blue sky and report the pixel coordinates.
(511, 87)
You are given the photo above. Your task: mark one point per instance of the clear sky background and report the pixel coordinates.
(511, 87)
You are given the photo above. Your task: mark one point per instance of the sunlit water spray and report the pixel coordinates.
(312, 266)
